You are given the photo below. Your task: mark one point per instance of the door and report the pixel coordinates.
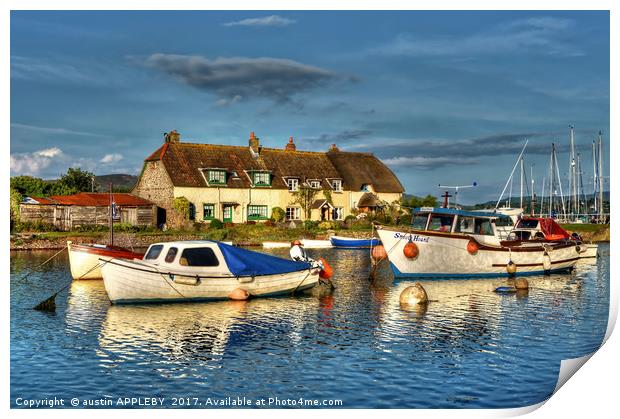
(227, 212)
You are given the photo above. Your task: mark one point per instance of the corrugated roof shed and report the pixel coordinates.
(94, 200)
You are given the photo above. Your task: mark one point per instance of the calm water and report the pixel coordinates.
(469, 348)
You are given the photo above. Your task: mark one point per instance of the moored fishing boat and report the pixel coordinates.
(203, 270)
(351, 242)
(452, 243)
(84, 258)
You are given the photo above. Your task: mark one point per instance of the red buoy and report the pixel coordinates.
(327, 272)
(472, 247)
(411, 250)
(378, 252)
(239, 294)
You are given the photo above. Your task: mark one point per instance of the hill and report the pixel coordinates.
(119, 181)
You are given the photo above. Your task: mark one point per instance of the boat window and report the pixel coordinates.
(465, 225)
(482, 226)
(441, 223)
(504, 222)
(172, 253)
(525, 223)
(419, 221)
(154, 251)
(200, 256)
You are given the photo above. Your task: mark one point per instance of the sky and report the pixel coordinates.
(440, 97)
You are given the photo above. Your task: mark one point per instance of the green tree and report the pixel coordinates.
(29, 186)
(278, 214)
(16, 199)
(181, 204)
(77, 179)
(304, 197)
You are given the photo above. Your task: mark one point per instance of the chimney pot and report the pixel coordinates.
(290, 146)
(334, 148)
(254, 142)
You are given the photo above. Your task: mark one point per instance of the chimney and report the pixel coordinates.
(290, 146)
(254, 142)
(334, 148)
(172, 137)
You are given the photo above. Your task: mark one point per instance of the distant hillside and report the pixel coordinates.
(119, 181)
(514, 202)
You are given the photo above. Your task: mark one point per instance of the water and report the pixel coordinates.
(470, 348)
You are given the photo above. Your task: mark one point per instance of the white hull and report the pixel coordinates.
(308, 244)
(131, 281)
(446, 256)
(588, 251)
(84, 265)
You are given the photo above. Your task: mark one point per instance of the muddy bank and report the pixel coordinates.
(128, 240)
(601, 235)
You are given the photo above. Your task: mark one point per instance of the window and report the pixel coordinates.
(441, 223)
(419, 221)
(483, 227)
(366, 188)
(208, 211)
(199, 256)
(293, 213)
(192, 211)
(293, 184)
(257, 212)
(217, 177)
(153, 252)
(336, 185)
(315, 184)
(262, 179)
(172, 253)
(338, 213)
(465, 225)
(523, 223)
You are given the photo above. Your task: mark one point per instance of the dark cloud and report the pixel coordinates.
(240, 79)
(338, 138)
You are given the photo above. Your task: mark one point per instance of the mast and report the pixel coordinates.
(572, 184)
(557, 169)
(600, 176)
(110, 219)
(551, 181)
(594, 175)
(542, 197)
(532, 193)
(521, 195)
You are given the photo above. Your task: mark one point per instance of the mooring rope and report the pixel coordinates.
(32, 270)
(302, 281)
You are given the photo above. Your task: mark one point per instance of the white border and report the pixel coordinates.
(592, 393)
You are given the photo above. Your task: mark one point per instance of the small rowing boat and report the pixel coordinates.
(353, 243)
(203, 270)
(84, 258)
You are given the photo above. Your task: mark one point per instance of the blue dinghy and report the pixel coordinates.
(352, 243)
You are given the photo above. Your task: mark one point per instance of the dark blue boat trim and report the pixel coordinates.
(352, 244)
(399, 274)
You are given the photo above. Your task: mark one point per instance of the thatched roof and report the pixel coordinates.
(369, 200)
(185, 161)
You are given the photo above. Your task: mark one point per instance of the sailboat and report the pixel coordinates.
(84, 258)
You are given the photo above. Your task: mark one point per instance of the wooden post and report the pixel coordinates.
(110, 220)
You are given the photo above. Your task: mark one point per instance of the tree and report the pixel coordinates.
(77, 179)
(304, 197)
(416, 201)
(29, 186)
(278, 214)
(16, 199)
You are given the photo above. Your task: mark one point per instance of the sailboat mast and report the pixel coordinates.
(110, 219)
(521, 193)
(557, 168)
(532, 194)
(594, 175)
(600, 175)
(572, 185)
(542, 197)
(551, 181)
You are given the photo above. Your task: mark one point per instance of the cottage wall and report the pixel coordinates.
(155, 185)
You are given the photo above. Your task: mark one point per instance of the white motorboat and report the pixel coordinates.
(452, 243)
(84, 258)
(203, 270)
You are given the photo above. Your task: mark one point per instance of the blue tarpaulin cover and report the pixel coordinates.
(242, 262)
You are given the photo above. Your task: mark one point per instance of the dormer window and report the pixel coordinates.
(314, 184)
(293, 184)
(217, 177)
(336, 185)
(261, 179)
(366, 187)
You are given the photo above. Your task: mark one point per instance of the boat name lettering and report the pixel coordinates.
(412, 237)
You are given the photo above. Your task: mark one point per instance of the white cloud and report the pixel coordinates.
(33, 163)
(273, 20)
(59, 131)
(111, 158)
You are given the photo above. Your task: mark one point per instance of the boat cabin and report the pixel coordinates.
(194, 255)
(538, 228)
(483, 225)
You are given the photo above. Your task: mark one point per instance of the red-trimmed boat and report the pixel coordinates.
(84, 258)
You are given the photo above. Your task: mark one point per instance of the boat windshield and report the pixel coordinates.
(465, 225)
(419, 221)
(199, 256)
(503, 222)
(154, 251)
(527, 223)
(441, 223)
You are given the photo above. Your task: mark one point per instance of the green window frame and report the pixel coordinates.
(217, 177)
(258, 212)
(261, 178)
(208, 211)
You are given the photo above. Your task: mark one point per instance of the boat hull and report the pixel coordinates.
(131, 282)
(84, 259)
(347, 242)
(588, 251)
(446, 256)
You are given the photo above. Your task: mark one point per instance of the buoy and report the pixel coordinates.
(546, 262)
(378, 252)
(239, 294)
(411, 250)
(511, 268)
(414, 294)
(472, 247)
(505, 290)
(521, 284)
(327, 272)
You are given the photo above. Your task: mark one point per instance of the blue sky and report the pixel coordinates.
(441, 97)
